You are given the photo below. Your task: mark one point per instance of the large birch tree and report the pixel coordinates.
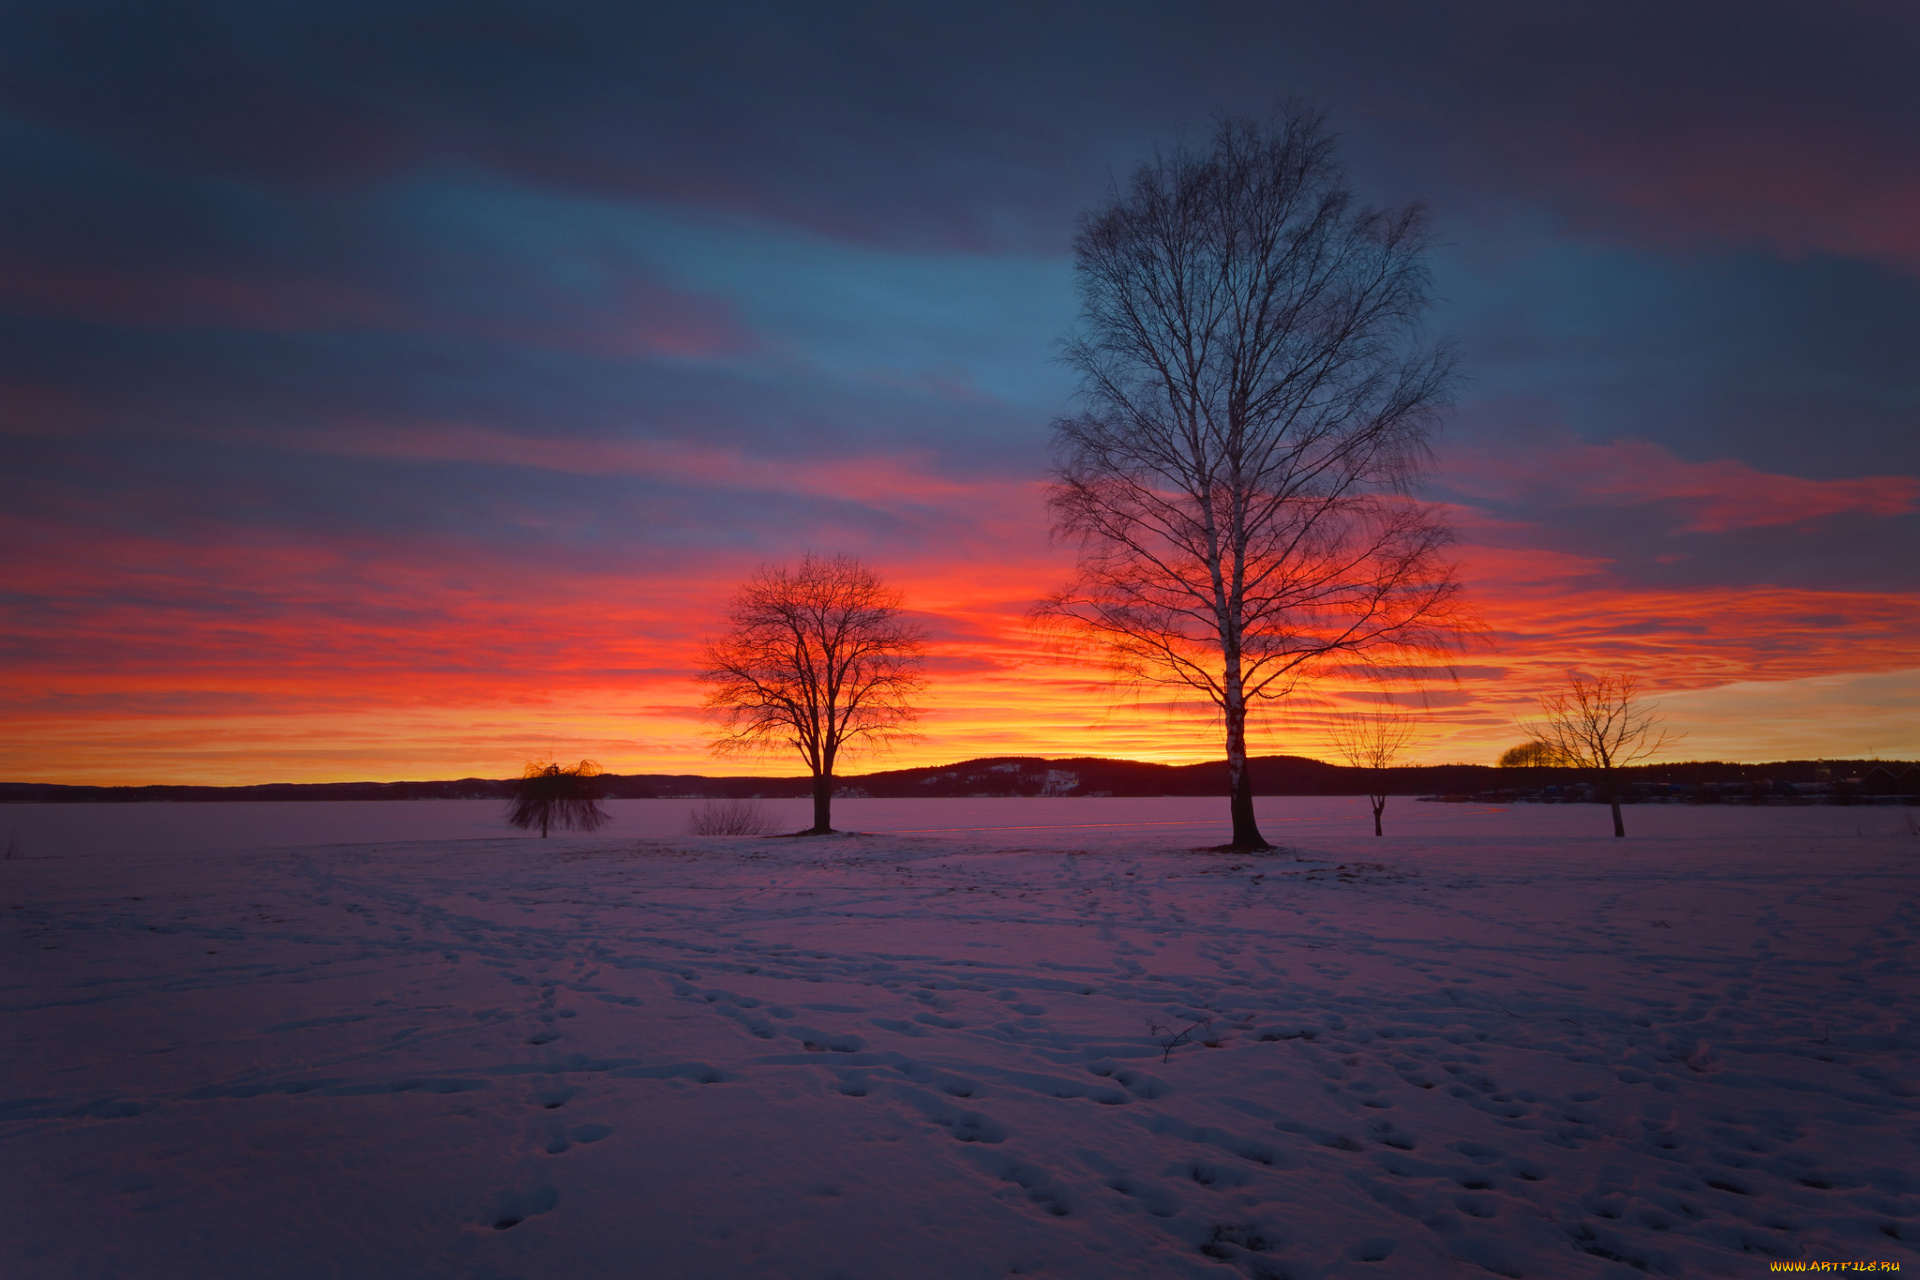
(1256, 402)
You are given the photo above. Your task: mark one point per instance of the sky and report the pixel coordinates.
(400, 390)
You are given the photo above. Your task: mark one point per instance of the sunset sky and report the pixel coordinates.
(399, 390)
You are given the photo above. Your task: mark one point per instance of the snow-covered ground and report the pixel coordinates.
(1003, 1038)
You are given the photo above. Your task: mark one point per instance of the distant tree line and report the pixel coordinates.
(1028, 776)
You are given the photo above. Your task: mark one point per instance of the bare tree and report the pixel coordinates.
(1374, 741)
(557, 795)
(817, 658)
(1600, 723)
(1256, 407)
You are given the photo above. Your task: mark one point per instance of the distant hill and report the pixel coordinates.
(1086, 776)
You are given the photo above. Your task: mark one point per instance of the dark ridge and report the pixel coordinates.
(1092, 776)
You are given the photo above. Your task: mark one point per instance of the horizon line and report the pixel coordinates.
(851, 777)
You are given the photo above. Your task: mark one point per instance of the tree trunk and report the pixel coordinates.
(1379, 807)
(1246, 831)
(822, 805)
(1612, 785)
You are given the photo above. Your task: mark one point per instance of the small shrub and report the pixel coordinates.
(728, 818)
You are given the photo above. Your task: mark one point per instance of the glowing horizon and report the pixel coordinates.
(425, 681)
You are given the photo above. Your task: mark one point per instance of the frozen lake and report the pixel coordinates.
(1004, 1037)
(70, 830)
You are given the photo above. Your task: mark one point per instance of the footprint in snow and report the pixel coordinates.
(1137, 1083)
(511, 1208)
(1155, 1199)
(964, 1126)
(822, 1042)
(1208, 1174)
(561, 1141)
(1374, 1249)
(955, 1086)
(1385, 1132)
(898, 1027)
(1040, 1185)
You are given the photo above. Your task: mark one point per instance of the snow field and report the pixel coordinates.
(1507, 1050)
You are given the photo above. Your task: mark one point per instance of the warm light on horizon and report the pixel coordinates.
(995, 691)
(337, 666)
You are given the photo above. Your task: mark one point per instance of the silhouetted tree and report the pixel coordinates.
(818, 658)
(1599, 723)
(1257, 404)
(1529, 755)
(1373, 741)
(557, 795)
